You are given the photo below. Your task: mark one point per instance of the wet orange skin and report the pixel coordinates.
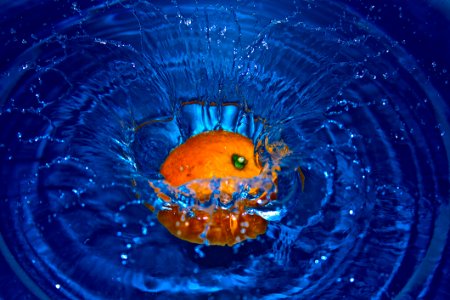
(205, 156)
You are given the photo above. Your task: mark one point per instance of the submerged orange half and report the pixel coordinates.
(214, 154)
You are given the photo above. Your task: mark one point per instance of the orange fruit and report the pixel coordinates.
(213, 154)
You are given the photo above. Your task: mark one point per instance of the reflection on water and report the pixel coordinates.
(92, 107)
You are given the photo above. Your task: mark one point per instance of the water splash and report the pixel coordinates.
(355, 109)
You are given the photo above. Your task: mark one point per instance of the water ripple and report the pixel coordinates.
(91, 108)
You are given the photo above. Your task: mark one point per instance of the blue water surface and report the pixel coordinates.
(95, 94)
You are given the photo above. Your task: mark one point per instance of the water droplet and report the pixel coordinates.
(144, 230)
(265, 45)
(199, 251)
(188, 22)
(223, 31)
